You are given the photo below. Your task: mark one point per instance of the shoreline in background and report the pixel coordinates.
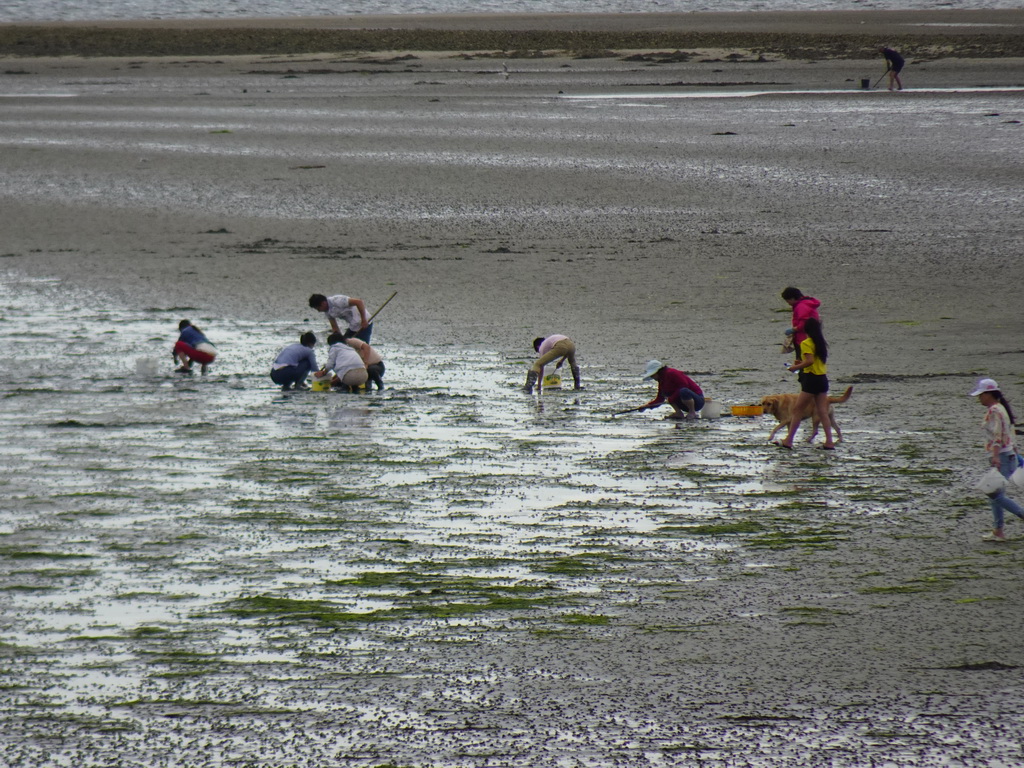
(789, 34)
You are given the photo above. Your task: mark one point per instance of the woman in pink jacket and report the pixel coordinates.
(804, 308)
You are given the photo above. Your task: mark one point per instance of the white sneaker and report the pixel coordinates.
(993, 537)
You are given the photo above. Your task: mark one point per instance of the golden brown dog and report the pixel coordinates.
(781, 407)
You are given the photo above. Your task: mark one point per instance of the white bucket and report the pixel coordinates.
(146, 367)
(711, 410)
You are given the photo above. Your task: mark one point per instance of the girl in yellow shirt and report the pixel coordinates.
(813, 382)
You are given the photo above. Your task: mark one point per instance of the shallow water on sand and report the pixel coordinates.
(204, 570)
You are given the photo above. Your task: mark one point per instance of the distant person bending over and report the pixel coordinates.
(347, 308)
(349, 368)
(813, 383)
(894, 65)
(675, 388)
(192, 346)
(549, 349)
(998, 424)
(294, 363)
(371, 358)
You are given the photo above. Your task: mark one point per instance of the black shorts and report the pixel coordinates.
(814, 383)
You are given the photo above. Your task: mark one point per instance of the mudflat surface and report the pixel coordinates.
(203, 570)
(816, 34)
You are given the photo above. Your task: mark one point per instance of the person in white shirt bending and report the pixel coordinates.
(347, 308)
(549, 349)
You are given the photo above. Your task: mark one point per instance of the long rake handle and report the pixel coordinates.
(629, 410)
(381, 307)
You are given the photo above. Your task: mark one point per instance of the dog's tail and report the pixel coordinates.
(842, 398)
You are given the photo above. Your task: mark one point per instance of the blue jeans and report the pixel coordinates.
(1001, 502)
(365, 334)
(291, 374)
(687, 394)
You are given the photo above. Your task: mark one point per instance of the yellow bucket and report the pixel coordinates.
(322, 384)
(553, 380)
(747, 410)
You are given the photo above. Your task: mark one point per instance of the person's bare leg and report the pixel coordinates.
(801, 402)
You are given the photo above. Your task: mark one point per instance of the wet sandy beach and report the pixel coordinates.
(206, 572)
(821, 34)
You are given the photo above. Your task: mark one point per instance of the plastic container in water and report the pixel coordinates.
(553, 380)
(711, 410)
(321, 383)
(747, 410)
(147, 367)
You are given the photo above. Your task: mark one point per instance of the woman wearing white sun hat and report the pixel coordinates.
(676, 388)
(998, 424)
